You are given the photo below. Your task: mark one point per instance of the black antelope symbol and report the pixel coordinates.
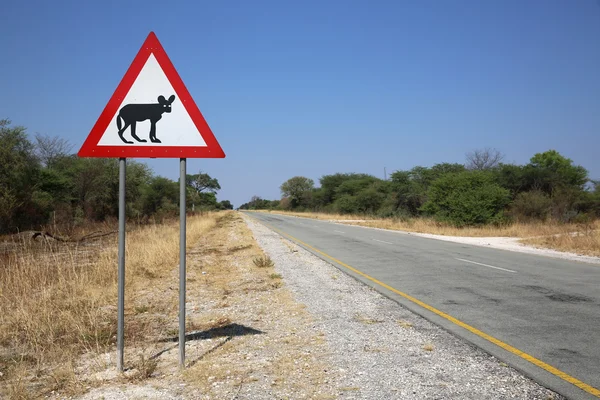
(133, 113)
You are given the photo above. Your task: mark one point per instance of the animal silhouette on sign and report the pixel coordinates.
(134, 113)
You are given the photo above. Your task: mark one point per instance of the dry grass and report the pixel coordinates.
(57, 301)
(583, 241)
(58, 317)
(144, 368)
(428, 347)
(234, 288)
(424, 225)
(366, 320)
(263, 262)
(350, 389)
(405, 324)
(577, 238)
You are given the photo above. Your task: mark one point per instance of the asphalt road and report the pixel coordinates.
(547, 308)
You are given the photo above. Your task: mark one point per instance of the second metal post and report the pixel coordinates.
(182, 215)
(121, 270)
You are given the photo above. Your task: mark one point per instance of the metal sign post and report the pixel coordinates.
(182, 229)
(121, 273)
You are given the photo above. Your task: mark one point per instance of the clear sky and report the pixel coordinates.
(317, 87)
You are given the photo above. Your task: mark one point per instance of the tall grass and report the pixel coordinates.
(58, 300)
(585, 241)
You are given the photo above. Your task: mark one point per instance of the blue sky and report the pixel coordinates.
(317, 87)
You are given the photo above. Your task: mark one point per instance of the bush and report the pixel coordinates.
(467, 198)
(369, 200)
(346, 204)
(263, 262)
(567, 202)
(397, 215)
(285, 204)
(531, 205)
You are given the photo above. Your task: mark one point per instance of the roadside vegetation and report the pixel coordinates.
(43, 183)
(58, 302)
(58, 256)
(58, 317)
(549, 199)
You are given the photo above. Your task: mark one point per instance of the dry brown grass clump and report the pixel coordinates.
(58, 300)
(583, 241)
(263, 262)
(428, 347)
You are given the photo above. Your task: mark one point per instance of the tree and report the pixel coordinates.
(295, 188)
(346, 204)
(595, 198)
(202, 182)
(41, 179)
(49, 149)
(226, 205)
(207, 201)
(318, 199)
(511, 177)
(19, 171)
(484, 159)
(410, 188)
(256, 203)
(355, 184)
(202, 193)
(533, 205)
(549, 171)
(161, 194)
(441, 169)
(330, 185)
(467, 198)
(369, 200)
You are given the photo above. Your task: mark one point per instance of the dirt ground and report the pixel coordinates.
(246, 336)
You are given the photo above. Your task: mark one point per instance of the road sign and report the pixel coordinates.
(151, 114)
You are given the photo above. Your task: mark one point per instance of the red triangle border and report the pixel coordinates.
(90, 147)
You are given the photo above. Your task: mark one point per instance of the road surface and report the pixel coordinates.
(539, 314)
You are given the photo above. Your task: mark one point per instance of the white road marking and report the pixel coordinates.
(381, 241)
(339, 231)
(485, 265)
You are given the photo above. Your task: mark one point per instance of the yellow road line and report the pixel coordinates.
(554, 371)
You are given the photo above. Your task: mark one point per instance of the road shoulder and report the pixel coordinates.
(383, 350)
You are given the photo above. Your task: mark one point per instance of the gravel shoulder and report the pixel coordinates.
(379, 349)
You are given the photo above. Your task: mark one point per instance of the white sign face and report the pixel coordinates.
(151, 114)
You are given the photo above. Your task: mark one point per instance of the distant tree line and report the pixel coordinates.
(256, 203)
(42, 182)
(484, 190)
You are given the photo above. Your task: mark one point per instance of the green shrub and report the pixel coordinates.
(531, 205)
(467, 198)
(346, 204)
(369, 200)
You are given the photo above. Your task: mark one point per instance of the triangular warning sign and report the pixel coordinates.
(151, 114)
